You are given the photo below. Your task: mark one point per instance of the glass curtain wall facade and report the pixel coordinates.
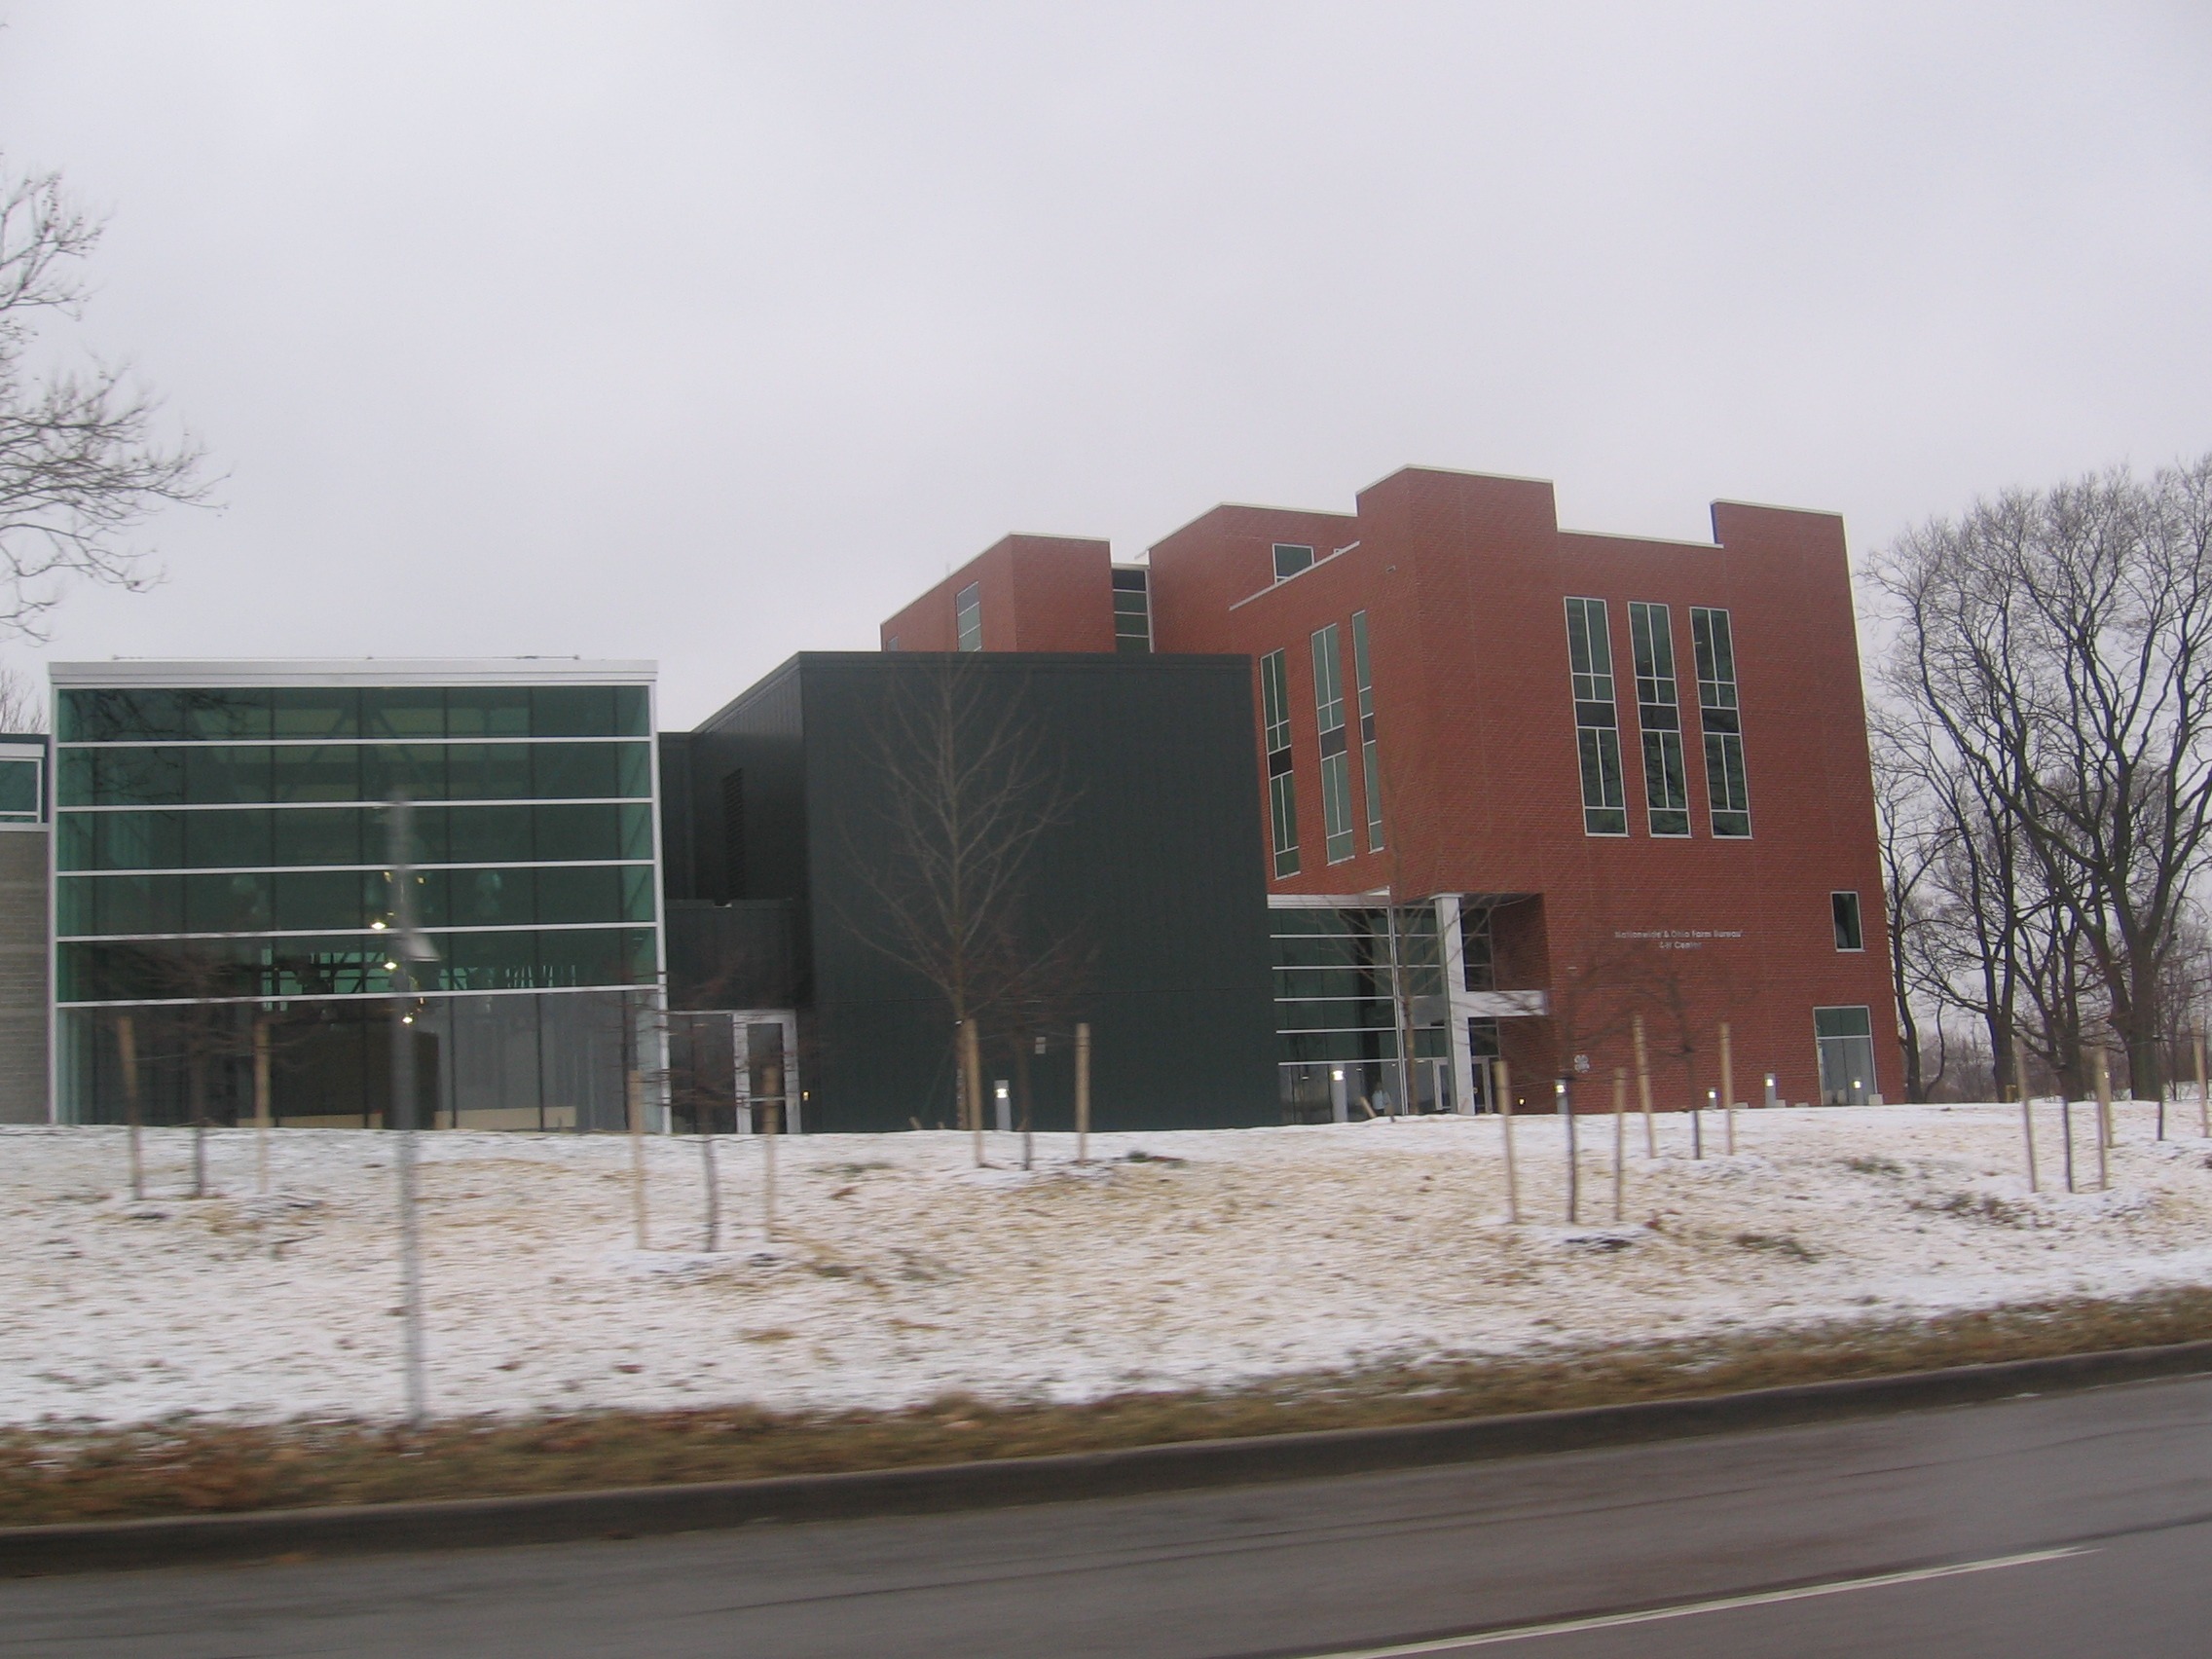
(224, 900)
(1349, 980)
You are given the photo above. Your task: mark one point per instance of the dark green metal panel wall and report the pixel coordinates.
(1151, 869)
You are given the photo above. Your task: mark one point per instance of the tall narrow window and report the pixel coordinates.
(1725, 786)
(1597, 724)
(1335, 763)
(968, 613)
(1283, 797)
(1844, 907)
(1659, 716)
(1370, 762)
(1132, 610)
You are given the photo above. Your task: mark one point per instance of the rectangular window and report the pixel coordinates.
(1597, 723)
(1291, 559)
(1369, 760)
(1845, 908)
(1725, 786)
(968, 616)
(1845, 1040)
(19, 791)
(1335, 762)
(1132, 611)
(1282, 796)
(1658, 708)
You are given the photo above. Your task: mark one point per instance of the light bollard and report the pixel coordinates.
(2027, 1109)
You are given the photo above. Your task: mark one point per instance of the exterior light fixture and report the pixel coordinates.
(376, 926)
(1336, 1074)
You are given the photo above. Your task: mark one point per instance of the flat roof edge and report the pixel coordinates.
(211, 673)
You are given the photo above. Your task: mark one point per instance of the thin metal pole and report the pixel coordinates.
(2027, 1107)
(1643, 1091)
(1620, 1135)
(2104, 1122)
(1082, 1094)
(1505, 1129)
(127, 1044)
(1697, 1124)
(1573, 1188)
(634, 1114)
(1727, 1088)
(261, 1105)
(774, 1105)
(402, 1115)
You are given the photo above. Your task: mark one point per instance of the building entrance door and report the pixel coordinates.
(1845, 1037)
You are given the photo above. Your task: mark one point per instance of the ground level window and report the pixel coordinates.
(1845, 1038)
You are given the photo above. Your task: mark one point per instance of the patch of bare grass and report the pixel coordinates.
(188, 1466)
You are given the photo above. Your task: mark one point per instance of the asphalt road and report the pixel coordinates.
(2077, 1524)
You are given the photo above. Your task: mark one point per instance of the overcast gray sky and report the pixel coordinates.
(714, 332)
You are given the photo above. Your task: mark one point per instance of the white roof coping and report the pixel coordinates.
(123, 673)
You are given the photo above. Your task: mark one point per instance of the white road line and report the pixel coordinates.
(1689, 1609)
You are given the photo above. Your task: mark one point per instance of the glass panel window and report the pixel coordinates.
(1726, 787)
(403, 712)
(1328, 681)
(1282, 795)
(488, 711)
(1844, 912)
(1290, 559)
(19, 791)
(1597, 723)
(968, 616)
(1370, 756)
(1590, 650)
(1335, 764)
(315, 711)
(1666, 783)
(318, 835)
(1652, 640)
(573, 710)
(226, 841)
(1845, 1041)
(1132, 611)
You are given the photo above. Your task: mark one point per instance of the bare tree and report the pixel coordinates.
(2056, 649)
(22, 708)
(80, 465)
(968, 789)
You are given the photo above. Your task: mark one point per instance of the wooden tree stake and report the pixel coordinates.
(1643, 1091)
(1620, 1135)
(972, 1067)
(2203, 1107)
(2027, 1107)
(1082, 1094)
(1505, 1129)
(1727, 1090)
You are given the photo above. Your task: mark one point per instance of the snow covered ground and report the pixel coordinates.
(899, 1273)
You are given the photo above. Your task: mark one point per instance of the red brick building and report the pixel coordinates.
(1539, 782)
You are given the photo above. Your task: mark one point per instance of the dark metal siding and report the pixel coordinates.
(1152, 868)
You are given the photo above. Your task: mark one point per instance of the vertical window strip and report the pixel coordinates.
(968, 616)
(1598, 738)
(1370, 756)
(1282, 796)
(1659, 715)
(1727, 790)
(1335, 763)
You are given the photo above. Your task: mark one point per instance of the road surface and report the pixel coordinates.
(2076, 1525)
